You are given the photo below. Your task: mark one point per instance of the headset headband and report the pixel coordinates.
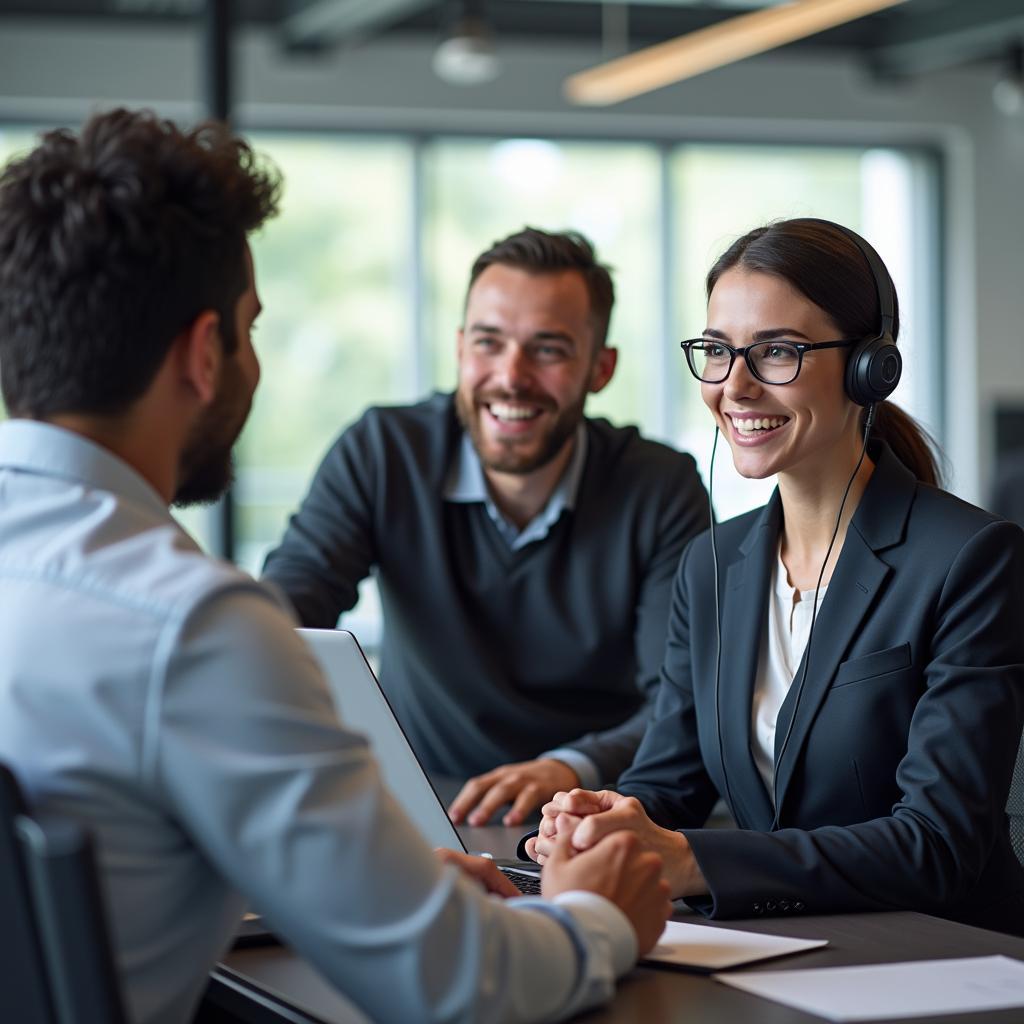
(883, 281)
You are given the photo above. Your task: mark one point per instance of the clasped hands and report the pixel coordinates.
(600, 842)
(583, 818)
(617, 869)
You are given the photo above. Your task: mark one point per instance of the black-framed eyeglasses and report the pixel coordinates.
(771, 362)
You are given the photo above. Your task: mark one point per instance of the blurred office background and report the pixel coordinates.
(907, 124)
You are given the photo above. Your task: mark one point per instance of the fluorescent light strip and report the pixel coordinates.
(713, 47)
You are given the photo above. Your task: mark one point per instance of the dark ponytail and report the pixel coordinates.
(827, 267)
(910, 443)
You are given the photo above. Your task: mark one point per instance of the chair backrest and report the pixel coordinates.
(25, 991)
(62, 925)
(1015, 805)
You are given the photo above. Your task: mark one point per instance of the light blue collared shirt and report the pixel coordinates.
(467, 484)
(164, 698)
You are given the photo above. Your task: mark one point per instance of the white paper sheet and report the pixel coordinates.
(883, 991)
(713, 949)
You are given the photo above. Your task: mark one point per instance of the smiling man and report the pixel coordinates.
(523, 552)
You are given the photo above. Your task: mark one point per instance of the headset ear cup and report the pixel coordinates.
(873, 370)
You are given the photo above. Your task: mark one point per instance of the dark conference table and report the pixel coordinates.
(268, 985)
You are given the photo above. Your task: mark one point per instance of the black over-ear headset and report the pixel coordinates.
(874, 365)
(872, 372)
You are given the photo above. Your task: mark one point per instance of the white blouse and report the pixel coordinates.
(782, 647)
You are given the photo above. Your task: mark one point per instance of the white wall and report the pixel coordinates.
(50, 70)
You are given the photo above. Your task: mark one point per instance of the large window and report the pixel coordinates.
(363, 277)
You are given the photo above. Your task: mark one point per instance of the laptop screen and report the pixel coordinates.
(362, 706)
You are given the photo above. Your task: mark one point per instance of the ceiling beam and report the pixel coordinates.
(715, 46)
(963, 32)
(321, 23)
(725, 5)
(176, 7)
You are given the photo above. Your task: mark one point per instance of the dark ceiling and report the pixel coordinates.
(912, 38)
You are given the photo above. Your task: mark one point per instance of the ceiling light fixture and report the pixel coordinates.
(713, 47)
(1008, 92)
(467, 56)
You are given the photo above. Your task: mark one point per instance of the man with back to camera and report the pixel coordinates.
(524, 553)
(163, 697)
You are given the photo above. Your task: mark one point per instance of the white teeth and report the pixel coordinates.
(749, 426)
(501, 411)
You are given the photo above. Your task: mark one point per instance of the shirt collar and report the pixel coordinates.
(783, 589)
(781, 575)
(47, 450)
(467, 484)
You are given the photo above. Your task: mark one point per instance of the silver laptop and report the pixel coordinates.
(362, 706)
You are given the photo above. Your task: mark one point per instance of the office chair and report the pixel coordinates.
(1015, 805)
(25, 992)
(59, 968)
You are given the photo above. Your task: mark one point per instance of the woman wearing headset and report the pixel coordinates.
(845, 666)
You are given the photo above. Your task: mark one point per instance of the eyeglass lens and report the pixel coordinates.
(775, 362)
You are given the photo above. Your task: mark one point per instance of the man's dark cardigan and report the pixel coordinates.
(492, 655)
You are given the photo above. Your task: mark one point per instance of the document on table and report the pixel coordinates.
(919, 988)
(700, 947)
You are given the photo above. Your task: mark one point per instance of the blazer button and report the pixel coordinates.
(758, 909)
(783, 905)
(799, 905)
(770, 906)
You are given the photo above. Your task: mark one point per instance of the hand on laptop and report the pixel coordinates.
(526, 785)
(480, 869)
(585, 818)
(618, 868)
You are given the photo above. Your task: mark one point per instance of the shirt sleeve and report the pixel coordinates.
(328, 547)
(586, 771)
(288, 806)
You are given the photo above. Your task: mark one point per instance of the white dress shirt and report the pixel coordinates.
(164, 698)
(789, 622)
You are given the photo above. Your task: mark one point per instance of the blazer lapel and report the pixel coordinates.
(852, 592)
(744, 612)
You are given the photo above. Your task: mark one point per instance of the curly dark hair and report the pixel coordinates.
(547, 252)
(112, 242)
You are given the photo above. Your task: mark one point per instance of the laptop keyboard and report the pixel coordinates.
(527, 884)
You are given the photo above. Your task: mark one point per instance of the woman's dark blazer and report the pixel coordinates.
(892, 787)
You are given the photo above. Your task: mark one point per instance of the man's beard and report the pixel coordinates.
(509, 459)
(207, 467)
